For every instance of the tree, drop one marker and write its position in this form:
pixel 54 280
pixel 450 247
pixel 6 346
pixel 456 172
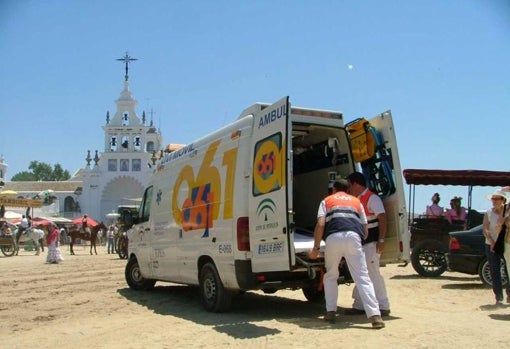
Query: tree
pixel 41 171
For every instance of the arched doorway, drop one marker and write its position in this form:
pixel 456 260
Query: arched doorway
pixel 120 191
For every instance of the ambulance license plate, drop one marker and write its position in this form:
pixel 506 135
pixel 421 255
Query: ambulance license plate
pixel 271 247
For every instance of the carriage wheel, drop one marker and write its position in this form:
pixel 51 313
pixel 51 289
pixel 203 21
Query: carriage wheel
pixel 123 248
pixel 428 258
pixel 8 251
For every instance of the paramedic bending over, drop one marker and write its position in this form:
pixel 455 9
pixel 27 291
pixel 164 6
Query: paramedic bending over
pixel 342 224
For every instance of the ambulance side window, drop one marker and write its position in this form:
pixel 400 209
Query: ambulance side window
pixel 145 206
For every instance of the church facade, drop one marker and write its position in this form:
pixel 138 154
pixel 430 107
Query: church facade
pixel 115 176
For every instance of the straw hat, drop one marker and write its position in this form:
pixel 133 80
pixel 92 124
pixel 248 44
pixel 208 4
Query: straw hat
pixel 498 193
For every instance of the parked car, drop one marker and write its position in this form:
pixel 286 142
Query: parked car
pixel 467 254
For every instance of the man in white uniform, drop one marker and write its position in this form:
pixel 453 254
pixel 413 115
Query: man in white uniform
pixel 373 245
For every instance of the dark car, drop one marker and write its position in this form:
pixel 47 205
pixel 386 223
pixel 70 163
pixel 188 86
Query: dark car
pixel 467 254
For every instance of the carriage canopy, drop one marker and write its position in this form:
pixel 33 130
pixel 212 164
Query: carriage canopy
pixel 457 177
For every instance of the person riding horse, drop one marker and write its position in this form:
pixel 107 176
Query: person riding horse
pixel 84 226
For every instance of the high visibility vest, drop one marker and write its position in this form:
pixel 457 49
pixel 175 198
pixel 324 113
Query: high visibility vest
pixel 343 213
pixel 372 221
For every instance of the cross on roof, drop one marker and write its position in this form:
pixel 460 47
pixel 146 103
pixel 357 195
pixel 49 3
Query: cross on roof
pixel 127 59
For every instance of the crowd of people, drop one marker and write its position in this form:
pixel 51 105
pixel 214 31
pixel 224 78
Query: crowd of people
pixel 49 234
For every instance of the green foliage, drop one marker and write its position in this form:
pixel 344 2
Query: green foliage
pixel 41 171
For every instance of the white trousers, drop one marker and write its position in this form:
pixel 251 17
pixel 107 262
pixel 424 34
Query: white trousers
pixel 348 245
pixel 373 263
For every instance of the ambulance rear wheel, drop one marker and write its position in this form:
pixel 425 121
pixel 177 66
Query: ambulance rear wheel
pixel 313 294
pixel 214 297
pixel 134 277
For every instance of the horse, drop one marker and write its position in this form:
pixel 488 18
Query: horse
pixel 30 233
pixel 77 233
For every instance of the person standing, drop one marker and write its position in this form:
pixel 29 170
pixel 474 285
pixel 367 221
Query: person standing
pixel 492 221
pixel 110 235
pixel 54 254
pixel 373 245
pixel 341 223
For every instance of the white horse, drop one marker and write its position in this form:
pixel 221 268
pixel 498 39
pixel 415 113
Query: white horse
pixel 31 233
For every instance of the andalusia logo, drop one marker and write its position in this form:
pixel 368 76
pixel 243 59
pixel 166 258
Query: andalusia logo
pixel 266 208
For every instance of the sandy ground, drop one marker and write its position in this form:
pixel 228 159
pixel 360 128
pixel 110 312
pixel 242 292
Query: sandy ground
pixel 84 302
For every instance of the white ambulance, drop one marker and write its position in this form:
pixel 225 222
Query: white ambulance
pixel 235 210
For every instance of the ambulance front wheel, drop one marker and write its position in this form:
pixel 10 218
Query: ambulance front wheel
pixel 134 277
pixel 214 297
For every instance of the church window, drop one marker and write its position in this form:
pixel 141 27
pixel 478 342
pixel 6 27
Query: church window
pixel 113 143
pixel 125 142
pixel 69 205
pixel 124 165
pixel 136 165
pixel 150 146
pixel 112 165
pixel 125 119
pixel 137 143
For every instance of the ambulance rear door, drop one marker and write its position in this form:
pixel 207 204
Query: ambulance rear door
pixel 271 240
pixel 384 177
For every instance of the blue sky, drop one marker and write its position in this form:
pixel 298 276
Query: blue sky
pixel 440 66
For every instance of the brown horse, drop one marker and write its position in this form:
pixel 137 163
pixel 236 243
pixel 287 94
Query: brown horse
pixel 77 233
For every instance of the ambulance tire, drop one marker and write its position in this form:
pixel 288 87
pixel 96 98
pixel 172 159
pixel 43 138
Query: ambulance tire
pixel 313 294
pixel 134 277
pixel 428 258
pixel 214 297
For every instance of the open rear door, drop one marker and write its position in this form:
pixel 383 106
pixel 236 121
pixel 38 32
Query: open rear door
pixel 271 242
pixel 384 177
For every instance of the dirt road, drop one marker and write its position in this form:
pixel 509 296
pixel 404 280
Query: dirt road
pixel 84 302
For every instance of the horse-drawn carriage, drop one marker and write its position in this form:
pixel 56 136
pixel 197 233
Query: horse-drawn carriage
pixel 9 243
pixel 430 236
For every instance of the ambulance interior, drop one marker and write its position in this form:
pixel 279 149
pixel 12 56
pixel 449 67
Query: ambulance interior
pixel 320 155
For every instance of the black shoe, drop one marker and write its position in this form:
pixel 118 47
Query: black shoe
pixel 385 312
pixel 377 322
pixel 353 311
pixel 330 316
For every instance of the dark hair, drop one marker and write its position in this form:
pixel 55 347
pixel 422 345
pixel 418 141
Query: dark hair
pixel 357 177
pixel 341 185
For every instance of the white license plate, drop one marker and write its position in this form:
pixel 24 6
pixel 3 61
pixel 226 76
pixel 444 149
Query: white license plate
pixel 271 247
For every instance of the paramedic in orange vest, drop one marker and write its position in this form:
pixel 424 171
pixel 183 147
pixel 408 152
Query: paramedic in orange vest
pixel 373 245
pixel 341 223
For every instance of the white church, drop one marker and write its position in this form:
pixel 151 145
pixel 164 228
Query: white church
pixel 112 177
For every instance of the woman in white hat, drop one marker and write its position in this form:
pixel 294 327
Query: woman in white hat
pixel 492 221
